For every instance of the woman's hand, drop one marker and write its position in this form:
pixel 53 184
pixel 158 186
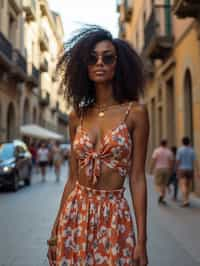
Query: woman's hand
pixel 52 255
pixel 140 255
pixel 52 248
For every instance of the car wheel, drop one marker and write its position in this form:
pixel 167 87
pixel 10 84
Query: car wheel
pixel 15 184
pixel 27 181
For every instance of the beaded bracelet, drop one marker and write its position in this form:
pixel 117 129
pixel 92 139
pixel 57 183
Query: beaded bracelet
pixel 52 241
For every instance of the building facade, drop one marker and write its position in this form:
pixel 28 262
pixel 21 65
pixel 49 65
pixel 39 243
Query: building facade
pixel 166 34
pixel 31 38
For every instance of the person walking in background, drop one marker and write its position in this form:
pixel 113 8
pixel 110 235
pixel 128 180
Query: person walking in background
pixel 186 165
pixel 173 177
pixel 33 151
pixel 57 159
pixel 42 158
pixel 109 128
pixel 161 166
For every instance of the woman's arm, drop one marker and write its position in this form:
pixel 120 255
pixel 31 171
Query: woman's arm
pixel 73 168
pixel 137 179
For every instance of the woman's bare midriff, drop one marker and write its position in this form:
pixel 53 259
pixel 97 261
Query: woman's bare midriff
pixel 109 179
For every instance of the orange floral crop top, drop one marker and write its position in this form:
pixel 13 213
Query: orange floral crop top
pixel 115 150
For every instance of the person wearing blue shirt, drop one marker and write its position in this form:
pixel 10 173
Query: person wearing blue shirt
pixel 186 164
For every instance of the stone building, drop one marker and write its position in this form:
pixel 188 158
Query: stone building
pixel 31 38
pixel 166 34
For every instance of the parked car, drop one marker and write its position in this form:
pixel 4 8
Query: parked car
pixel 15 164
pixel 66 150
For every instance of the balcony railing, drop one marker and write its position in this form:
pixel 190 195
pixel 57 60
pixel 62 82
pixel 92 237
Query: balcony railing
pixel 118 5
pixel 44 65
pixel 19 67
pixel 122 31
pixel 62 117
pixel 16 5
pixel 128 9
pixel 44 99
pixel 187 8
pixel 19 61
pixel 44 41
pixel 12 60
pixel 5 50
pixel 29 7
pixel 44 7
pixel 158 33
pixel 33 75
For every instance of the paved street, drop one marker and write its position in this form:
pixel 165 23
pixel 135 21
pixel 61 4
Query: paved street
pixel 26 218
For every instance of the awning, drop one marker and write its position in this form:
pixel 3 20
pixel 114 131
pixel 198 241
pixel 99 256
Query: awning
pixel 39 132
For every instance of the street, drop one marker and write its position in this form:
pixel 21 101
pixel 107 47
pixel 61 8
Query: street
pixel 26 218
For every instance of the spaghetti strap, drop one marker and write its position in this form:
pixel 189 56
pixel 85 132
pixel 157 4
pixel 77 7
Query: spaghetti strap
pixel 127 111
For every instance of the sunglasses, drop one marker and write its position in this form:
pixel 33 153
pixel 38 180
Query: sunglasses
pixel 107 59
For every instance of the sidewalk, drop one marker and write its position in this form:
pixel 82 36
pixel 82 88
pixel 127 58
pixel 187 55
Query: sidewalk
pixel 180 224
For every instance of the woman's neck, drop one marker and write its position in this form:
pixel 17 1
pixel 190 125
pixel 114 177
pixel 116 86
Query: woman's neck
pixel 104 95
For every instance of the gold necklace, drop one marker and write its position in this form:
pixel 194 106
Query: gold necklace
pixel 103 108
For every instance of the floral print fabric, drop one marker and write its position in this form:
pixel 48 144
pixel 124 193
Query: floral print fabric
pixel 115 151
pixel 95 228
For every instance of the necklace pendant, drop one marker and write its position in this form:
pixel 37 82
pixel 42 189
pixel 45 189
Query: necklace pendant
pixel 101 114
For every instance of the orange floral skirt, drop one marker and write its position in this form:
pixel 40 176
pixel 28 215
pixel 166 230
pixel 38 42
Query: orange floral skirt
pixel 95 228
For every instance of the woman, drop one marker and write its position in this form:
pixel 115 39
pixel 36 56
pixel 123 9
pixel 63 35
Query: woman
pixel 42 159
pixel 109 132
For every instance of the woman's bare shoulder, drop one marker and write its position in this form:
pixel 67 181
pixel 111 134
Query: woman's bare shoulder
pixel 139 114
pixel 139 109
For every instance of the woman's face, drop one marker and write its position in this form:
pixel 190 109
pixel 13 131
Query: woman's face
pixel 102 62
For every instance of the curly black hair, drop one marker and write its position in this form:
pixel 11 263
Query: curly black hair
pixel 128 82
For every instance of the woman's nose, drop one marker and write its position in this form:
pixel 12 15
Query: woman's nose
pixel 99 60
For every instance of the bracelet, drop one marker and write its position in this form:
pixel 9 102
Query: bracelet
pixel 52 241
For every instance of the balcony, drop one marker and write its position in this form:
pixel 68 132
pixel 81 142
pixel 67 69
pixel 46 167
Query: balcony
pixel 128 10
pixel 186 8
pixel 158 40
pixel 149 68
pixel 62 117
pixel 16 4
pixel 122 30
pixel 29 7
pixel 118 5
pixel 33 75
pixel 44 100
pixel 44 42
pixel 44 65
pixel 5 52
pixel 19 69
pixel 55 108
pixel 44 7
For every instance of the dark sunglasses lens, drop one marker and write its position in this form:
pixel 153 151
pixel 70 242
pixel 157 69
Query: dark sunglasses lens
pixel 108 59
pixel 92 60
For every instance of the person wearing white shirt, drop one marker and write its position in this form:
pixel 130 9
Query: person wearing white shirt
pixel 43 158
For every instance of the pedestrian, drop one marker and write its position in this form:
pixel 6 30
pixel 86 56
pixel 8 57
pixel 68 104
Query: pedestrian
pixel 42 158
pixel 186 164
pixel 33 151
pixel 103 78
pixel 161 166
pixel 57 159
pixel 173 177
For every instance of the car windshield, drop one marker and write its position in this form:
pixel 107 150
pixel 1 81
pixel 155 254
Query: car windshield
pixel 6 151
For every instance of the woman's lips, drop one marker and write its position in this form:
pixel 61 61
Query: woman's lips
pixel 99 72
